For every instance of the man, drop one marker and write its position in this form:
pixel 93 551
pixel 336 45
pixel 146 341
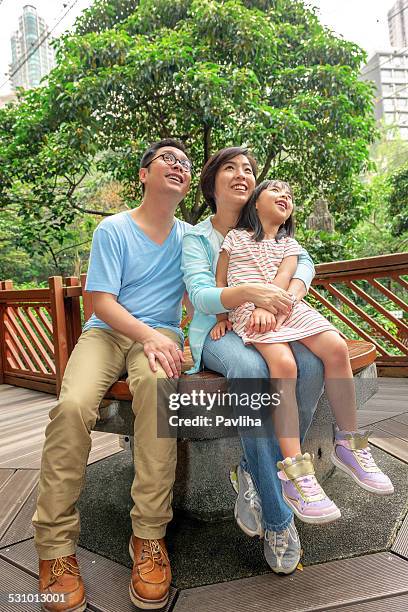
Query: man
pixel 137 287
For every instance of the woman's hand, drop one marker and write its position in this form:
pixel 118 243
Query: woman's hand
pixel 220 329
pixel 282 316
pixel 260 322
pixel 271 298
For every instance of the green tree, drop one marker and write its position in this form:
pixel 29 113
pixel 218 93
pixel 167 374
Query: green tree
pixel 212 73
pixel 398 202
pixel 382 231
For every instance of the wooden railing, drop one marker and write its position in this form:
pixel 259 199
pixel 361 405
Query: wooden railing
pixel 369 298
pixel 27 349
pixel 40 327
pixel 38 330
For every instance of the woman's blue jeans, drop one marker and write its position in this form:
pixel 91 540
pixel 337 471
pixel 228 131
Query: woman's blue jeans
pixel 231 358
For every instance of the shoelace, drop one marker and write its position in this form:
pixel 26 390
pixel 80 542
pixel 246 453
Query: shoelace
pixel 153 551
pixel 252 497
pixel 61 566
pixel 251 494
pixel 366 458
pixel 309 485
pixel 278 540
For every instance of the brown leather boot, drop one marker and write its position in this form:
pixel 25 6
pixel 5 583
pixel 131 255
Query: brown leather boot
pixel 61 585
pixel 151 575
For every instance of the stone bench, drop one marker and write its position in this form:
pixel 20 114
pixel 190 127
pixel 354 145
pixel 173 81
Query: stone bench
pixel 202 489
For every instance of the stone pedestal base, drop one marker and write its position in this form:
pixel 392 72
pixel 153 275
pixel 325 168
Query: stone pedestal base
pixel 202 489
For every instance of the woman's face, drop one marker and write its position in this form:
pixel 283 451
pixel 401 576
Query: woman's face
pixel 234 183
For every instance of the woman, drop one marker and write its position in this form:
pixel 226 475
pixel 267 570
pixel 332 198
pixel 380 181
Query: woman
pixel 227 181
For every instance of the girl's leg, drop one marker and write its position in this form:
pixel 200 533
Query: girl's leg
pixel 351 451
pixel 231 358
pixel 300 489
pixel 282 368
pixel 333 351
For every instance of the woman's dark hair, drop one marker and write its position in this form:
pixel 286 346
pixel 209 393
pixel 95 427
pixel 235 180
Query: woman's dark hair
pixel 248 218
pixel 209 172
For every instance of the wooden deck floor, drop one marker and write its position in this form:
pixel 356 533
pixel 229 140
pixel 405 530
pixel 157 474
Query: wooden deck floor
pixel 386 415
pixel 23 419
pixel 371 583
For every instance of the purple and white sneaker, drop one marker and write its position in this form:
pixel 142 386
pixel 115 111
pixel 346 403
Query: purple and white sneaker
pixel 351 454
pixel 302 492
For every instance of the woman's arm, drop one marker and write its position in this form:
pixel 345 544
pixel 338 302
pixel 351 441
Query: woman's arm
pixel 199 277
pixel 303 275
pixel 297 288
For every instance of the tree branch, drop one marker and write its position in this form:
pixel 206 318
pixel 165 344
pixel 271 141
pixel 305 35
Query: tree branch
pixel 373 223
pixel 196 206
pixel 200 211
pixel 185 212
pixel 207 142
pixel 49 247
pixel 73 246
pixel 266 167
pixel 89 211
pixel 401 244
pixel 19 202
pixel 73 185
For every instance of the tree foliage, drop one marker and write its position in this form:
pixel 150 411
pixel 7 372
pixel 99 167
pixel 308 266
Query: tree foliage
pixel 212 73
pixel 398 201
pixel 377 235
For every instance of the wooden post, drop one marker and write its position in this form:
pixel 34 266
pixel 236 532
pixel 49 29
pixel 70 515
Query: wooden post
pixel 59 328
pixel 86 299
pixel 4 286
pixel 7 284
pixel 2 345
pixel 72 315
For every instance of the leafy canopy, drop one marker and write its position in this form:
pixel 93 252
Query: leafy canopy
pixel 212 73
pixel 398 201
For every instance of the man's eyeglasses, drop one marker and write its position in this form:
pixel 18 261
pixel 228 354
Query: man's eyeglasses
pixel 171 160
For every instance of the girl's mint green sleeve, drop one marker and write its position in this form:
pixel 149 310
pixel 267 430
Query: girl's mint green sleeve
pixel 199 278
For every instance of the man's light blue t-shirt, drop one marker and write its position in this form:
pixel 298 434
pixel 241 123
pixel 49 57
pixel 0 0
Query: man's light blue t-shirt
pixel 145 276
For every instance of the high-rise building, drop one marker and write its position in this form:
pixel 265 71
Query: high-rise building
pixel 389 71
pixel 398 24
pixel 11 97
pixel 32 57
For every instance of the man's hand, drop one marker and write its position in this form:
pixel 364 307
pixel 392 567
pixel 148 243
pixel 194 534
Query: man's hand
pixel 260 322
pixel 220 329
pixel 170 356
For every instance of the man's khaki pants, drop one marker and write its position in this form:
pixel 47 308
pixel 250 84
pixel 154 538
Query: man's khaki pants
pixel 99 358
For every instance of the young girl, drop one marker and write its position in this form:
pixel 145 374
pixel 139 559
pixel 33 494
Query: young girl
pixel 261 250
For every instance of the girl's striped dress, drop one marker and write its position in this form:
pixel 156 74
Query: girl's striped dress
pixel 258 262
